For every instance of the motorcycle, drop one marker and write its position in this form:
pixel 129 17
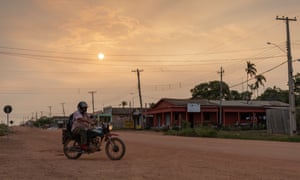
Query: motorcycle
pixel 114 146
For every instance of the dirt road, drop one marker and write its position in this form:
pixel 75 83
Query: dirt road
pixel 31 153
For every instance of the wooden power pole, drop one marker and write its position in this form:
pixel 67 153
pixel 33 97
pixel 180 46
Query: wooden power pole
pixel 140 91
pixel 292 113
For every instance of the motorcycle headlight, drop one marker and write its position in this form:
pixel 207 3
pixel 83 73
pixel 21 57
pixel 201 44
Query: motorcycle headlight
pixel 110 127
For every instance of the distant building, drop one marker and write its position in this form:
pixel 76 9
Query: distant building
pixel 171 113
pixel 123 117
pixel 60 121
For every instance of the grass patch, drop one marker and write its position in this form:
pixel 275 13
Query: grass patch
pixel 4 130
pixel 233 134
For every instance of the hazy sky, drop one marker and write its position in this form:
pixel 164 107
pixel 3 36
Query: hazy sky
pixel 48 49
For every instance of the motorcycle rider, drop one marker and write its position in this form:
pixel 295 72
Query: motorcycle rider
pixel 81 124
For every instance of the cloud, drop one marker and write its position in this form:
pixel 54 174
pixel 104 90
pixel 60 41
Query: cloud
pixel 97 26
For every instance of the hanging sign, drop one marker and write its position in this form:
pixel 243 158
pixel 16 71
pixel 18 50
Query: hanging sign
pixel 193 107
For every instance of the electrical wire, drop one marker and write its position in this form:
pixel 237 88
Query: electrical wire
pixel 61 59
pixel 269 70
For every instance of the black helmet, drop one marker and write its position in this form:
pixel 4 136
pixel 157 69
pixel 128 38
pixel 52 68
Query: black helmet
pixel 82 107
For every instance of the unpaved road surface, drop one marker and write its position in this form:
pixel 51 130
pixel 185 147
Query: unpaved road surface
pixel 31 153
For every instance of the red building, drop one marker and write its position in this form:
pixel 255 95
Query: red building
pixel 172 112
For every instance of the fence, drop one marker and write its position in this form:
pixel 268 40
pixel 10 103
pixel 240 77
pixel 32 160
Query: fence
pixel 278 121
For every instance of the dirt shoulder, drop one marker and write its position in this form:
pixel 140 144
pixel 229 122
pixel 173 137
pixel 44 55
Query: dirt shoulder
pixel 31 153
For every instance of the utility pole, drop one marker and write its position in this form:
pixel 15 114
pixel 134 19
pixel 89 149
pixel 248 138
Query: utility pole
pixel 139 87
pixel 92 92
pixel 63 108
pixel 221 95
pixel 50 113
pixel 292 113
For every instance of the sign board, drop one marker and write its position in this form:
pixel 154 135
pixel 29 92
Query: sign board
pixel 193 107
pixel 7 109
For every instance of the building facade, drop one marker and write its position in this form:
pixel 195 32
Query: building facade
pixel 172 113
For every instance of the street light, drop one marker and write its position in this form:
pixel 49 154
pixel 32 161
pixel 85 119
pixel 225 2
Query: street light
pixel 292 109
pixel 270 43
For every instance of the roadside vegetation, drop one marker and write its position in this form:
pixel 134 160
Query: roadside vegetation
pixel 232 133
pixel 43 122
pixel 4 130
pixel 211 90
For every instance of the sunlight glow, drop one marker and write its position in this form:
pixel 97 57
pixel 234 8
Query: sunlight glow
pixel 100 56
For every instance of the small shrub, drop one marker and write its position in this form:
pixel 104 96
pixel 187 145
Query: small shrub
pixel 43 122
pixel 177 128
pixel 4 130
pixel 161 129
pixel 206 132
pixel 185 124
pixel 233 133
pixel 172 132
pixel 187 132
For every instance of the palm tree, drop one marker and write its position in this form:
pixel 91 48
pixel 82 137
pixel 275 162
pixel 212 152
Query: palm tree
pixel 123 104
pixel 250 70
pixel 260 79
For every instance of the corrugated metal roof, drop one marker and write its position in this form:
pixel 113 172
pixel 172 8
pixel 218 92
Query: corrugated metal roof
pixel 253 103
pixel 184 102
pixel 239 103
pixel 121 110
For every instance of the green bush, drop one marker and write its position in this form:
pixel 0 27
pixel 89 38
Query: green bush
pixel 172 132
pixel 203 131
pixel 233 133
pixel 187 132
pixel 206 132
pixel 298 117
pixel 4 130
pixel 43 122
pixel 185 124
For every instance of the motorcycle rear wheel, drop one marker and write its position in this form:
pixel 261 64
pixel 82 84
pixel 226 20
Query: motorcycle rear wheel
pixel 72 149
pixel 115 149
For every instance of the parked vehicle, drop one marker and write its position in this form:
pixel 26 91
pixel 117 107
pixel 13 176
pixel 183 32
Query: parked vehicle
pixel 114 147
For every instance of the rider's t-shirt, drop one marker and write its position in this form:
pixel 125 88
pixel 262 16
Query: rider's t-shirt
pixel 76 123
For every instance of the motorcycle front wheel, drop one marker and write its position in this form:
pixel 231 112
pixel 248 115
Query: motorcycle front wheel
pixel 72 149
pixel 115 148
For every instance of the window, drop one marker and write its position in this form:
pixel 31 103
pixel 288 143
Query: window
pixel 246 116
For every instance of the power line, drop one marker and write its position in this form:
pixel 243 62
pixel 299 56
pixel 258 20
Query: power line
pixel 61 59
pixel 128 55
pixel 41 51
pixel 269 70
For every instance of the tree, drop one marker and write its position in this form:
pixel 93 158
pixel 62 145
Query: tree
pixel 297 83
pixel 272 94
pixel 246 95
pixel 123 104
pixel 43 122
pixel 297 89
pixel 259 81
pixel 200 91
pixel 210 90
pixel 251 71
pixel 235 95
